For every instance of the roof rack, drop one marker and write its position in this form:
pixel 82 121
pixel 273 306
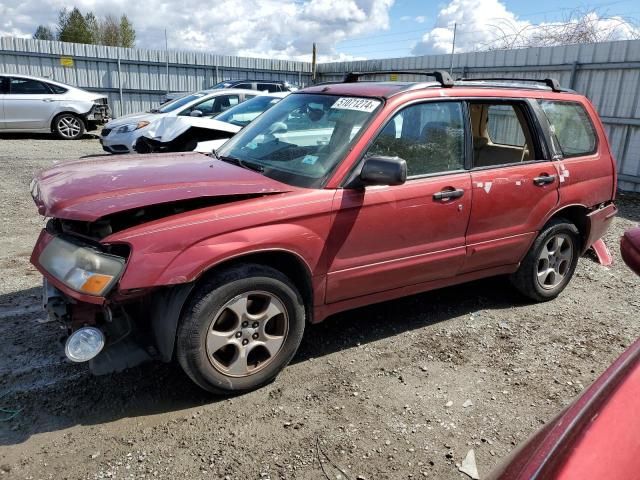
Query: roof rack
pixel 441 76
pixel 552 83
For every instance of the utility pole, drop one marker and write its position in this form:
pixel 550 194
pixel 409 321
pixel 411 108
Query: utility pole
pixel 453 47
pixel 313 63
pixel 166 55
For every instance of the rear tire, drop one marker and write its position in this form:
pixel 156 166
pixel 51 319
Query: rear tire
pixel 550 263
pixel 68 126
pixel 242 326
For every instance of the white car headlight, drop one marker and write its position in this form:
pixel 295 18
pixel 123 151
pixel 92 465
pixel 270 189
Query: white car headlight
pixel 130 127
pixel 81 268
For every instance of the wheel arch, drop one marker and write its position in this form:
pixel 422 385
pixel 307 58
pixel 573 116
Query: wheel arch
pixel 576 214
pixel 72 112
pixel 169 302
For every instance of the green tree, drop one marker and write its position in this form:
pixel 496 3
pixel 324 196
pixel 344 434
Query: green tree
pixel 127 33
pixel 44 33
pixel 72 27
pixel 94 28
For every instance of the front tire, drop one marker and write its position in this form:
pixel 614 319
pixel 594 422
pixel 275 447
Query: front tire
pixel 68 126
pixel 550 263
pixel 240 329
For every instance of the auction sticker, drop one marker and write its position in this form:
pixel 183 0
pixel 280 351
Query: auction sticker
pixel 360 104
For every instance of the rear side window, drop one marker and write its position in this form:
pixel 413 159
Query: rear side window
pixel 571 127
pixel 429 136
pixel 57 89
pixel 27 86
pixel 4 85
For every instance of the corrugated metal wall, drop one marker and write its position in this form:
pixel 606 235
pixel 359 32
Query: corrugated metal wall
pixel 608 73
pixel 141 73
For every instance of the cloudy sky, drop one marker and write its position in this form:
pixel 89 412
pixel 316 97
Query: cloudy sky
pixel 341 28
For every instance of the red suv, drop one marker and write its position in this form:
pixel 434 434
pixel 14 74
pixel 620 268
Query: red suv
pixel 341 195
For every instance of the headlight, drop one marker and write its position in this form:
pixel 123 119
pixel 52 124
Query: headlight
pixel 130 127
pixel 81 268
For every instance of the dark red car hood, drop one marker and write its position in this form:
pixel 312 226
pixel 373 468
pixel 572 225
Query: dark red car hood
pixel 89 189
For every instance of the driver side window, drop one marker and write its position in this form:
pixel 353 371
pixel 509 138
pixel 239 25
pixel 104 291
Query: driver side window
pixel 429 136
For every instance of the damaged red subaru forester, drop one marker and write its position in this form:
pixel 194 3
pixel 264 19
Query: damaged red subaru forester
pixel 341 195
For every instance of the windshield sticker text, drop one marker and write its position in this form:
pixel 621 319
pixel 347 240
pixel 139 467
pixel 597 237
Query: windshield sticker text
pixel 360 104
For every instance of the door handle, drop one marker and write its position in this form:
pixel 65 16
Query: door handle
pixel 47 99
pixel 448 194
pixel 544 179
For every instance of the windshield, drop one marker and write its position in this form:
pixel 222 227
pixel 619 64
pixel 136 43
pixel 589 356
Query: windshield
pixel 246 112
pixel 303 137
pixel 179 102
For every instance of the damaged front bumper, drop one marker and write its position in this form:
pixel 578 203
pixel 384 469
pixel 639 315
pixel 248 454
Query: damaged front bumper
pixel 136 326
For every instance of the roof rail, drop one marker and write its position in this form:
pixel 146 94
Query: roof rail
pixel 552 83
pixel 441 76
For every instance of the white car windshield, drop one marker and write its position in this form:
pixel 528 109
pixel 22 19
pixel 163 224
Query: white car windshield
pixel 302 138
pixel 179 102
pixel 243 114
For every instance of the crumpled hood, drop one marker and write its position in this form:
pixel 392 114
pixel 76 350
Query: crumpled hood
pixel 169 128
pixel 90 189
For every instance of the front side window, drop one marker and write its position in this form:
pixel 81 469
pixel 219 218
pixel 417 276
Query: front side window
pixel 571 127
pixel 213 106
pixel 27 86
pixel 4 85
pixel 246 86
pixel 303 137
pixel 428 136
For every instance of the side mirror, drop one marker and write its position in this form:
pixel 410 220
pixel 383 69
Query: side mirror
pixel 383 171
pixel 195 113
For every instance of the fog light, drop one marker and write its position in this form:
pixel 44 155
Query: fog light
pixel 84 344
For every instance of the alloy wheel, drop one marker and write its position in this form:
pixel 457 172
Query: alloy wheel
pixel 69 126
pixel 554 261
pixel 247 333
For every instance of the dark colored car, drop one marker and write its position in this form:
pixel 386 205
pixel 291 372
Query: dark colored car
pixel 340 195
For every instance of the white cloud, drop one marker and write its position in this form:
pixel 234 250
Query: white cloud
pixel 418 19
pixel 264 28
pixel 485 24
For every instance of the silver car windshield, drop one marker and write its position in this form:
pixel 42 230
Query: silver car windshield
pixel 302 138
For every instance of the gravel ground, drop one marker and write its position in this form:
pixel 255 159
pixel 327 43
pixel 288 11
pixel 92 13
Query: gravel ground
pixel 399 390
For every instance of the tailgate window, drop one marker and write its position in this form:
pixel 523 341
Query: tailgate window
pixel 571 128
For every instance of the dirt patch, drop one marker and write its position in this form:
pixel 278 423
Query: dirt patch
pixel 376 392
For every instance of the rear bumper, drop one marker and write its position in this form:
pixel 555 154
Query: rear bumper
pixel 598 222
pixel 99 114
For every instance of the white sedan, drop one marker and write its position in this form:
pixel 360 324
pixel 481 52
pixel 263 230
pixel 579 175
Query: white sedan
pixel 121 135
pixel 180 133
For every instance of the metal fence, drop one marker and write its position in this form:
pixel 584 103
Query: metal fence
pixel 607 73
pixel 136 79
